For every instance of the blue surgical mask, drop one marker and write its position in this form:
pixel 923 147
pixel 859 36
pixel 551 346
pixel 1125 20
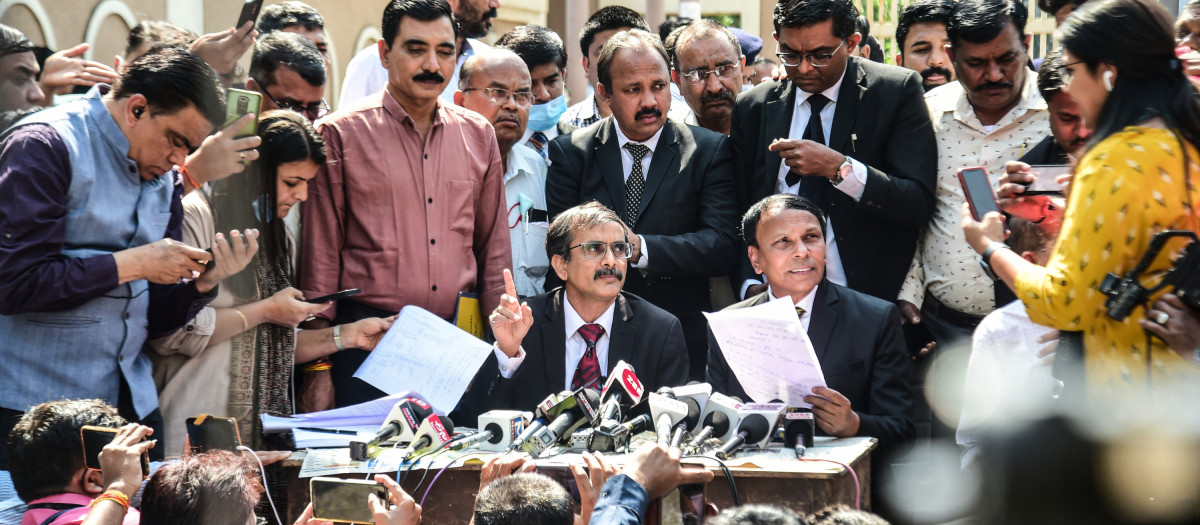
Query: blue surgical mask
pixel 545 116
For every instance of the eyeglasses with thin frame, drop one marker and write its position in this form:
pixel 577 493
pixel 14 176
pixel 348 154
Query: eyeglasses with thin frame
pixel 725 72
pixel 1065 73
pixel 596 249
pixel 500 96
pixel 313 111
pixel 816 59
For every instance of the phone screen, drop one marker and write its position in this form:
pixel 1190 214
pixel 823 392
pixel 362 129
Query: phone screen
pixel 95 439
pixel 978 190
pixel 213 433
pixel 1046 182
pixel 238 102
pixel 344 499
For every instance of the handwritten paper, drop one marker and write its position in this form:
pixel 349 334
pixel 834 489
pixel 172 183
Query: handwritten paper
pixel 768 351
pixel 423 353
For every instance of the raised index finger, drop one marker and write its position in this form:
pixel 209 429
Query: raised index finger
pixel 510 287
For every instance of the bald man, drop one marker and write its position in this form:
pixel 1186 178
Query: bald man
pixel 496 84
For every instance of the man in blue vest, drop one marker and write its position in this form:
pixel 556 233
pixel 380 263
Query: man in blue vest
pixel 88 264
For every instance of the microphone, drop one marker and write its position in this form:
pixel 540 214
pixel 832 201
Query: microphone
pixel 688 423
pixel 434 432
pixel 666 412
pixel 403 421
pixel 505 426
pixel 623 384
pixel 718 402
pixel 752 429
pixel 715 424
pixel 799 434
pixel 548 409
pixel 583 411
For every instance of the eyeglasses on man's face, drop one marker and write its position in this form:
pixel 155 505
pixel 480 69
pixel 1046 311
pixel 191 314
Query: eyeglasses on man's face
pixel 725 72
pixel 816 59
pixel 500 96
pixel 596 250
pixel 313 111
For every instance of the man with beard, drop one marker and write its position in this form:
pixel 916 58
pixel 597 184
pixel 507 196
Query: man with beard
pixel 993 114
pixel 708 71
pixel 409 206
pixel 495 83
pixel 366 74
pixel 671 182
pixel 1068 135
pixel 586 326
pixel 921 37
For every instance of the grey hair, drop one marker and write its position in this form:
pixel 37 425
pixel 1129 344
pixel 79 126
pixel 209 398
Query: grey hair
pixel 482 59
pixel 705 28
pixel 632 40
pixel 584 216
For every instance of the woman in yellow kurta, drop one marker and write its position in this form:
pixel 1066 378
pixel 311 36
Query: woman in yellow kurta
pixel 1138 177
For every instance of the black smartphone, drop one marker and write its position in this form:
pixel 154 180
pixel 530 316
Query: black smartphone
pixel 344 500
pixel 207 433
pixel 95 439
pixel 334 296
pixel 978 190
pixel 250 11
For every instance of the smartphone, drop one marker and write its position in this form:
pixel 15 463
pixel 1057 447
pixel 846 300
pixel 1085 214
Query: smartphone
pixel 344 500
pixel 979 192
pixel 250 11
pixel 95 439
pixel 334 296
pixel 691 503
pixel 238 102
pixel 1046 183
pixel 213 433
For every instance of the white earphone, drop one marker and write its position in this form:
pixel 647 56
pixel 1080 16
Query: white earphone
pixel 1108 80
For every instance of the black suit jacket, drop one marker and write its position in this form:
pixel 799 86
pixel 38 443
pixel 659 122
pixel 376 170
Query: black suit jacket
pixel 688 211
pixel 882 121
pixel 861 350
pixel 643 335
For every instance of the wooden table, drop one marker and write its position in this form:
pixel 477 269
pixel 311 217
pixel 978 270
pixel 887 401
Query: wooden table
pixel 777 479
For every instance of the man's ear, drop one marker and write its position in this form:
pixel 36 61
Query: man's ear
pixel 675 78
pixel 383 52
pixel 560 266
pixel 854 40
pixel 950 52
pixel 602 92
pixel 1026 41
pixel 900 59
pixel 752 251
pixel 585 62
pixel 1031 257
pixel 252 85
pixel 459 97
pixel 93 482
pixel 135 108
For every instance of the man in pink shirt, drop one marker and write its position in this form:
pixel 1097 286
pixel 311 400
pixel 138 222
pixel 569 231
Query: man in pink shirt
pixel 410 205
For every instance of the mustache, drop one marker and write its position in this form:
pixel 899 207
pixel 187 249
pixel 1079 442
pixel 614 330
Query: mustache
pixel 936 70
pixel 994 85
pixel 430 77
pixel 490 13
pixel 648 111
pixel 723 94
pixel 609 271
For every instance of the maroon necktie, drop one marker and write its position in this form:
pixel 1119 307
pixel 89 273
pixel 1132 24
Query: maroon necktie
pixel 588 372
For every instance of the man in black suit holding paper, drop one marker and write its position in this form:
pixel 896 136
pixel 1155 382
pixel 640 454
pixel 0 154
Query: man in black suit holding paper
pixel 573 336
pixel 671 183
pixel 851 135
pixel 857 338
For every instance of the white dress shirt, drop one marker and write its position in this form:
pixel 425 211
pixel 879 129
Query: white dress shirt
pixel 805 302
pixel 575 346
pixel 627 169
pixel 854 185
pixel 366 76
pixel 525 174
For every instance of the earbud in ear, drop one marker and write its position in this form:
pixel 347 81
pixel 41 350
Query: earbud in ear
pixel 1108 80
pixel 137 112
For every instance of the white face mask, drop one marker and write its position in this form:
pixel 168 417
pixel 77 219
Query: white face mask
pixel 746 87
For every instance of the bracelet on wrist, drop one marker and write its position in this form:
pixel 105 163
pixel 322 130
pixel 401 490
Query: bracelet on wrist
pixel 113 495
pixel 337 338
pixel 319 365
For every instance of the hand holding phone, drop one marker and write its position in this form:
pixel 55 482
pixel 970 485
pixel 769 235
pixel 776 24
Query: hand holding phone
pixel 977 188
pixel 116 451
pixel 239 102
pixel 345 500
pixel 334 296
pixel 249 13
pixel 207 433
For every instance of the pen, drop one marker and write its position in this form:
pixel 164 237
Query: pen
pixel 329 431
pixel 853 146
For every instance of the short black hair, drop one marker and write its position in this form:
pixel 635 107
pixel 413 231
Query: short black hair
pixel 634 40
pixel 756 514
pixel 922 12
pixel 703 28
pixel 672 23
pixel 536 45
pixel 214 487
pixel 608 18
pixel 1049 81
pixel 423 10
pixel 797 13
pixel 45 451
pixel 1051 7
pixel 287 49
pixel 840 514
pixel 876 48
pixel 287 14
pixel 524 498
pixel 173 78
pixel 158 33
pixel 782 201
pixel 582 217
pixel 13 41
pixel 981 21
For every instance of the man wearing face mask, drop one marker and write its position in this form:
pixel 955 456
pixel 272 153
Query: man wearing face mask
pixel 543 53
pixel 495 84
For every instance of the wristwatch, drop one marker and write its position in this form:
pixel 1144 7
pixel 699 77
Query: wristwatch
pixel 986 258
pixel 337 338
pixel 843 171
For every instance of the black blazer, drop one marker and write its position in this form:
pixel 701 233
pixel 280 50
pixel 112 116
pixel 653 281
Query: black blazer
pixel 882 121
pixel 643 335
pixel 861 350
pixel 688 213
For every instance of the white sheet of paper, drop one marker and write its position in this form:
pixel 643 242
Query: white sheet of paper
pixel 768 351
pixel 423 353
pixel 363 414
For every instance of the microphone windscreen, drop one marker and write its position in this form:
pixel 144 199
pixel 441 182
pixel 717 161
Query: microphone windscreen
pixel 756 427
pixel 736 399
pixel 497 433
pixel 693 415
pixel 793 430
pixel 446 422
pixel 719 422
pixel 593 398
